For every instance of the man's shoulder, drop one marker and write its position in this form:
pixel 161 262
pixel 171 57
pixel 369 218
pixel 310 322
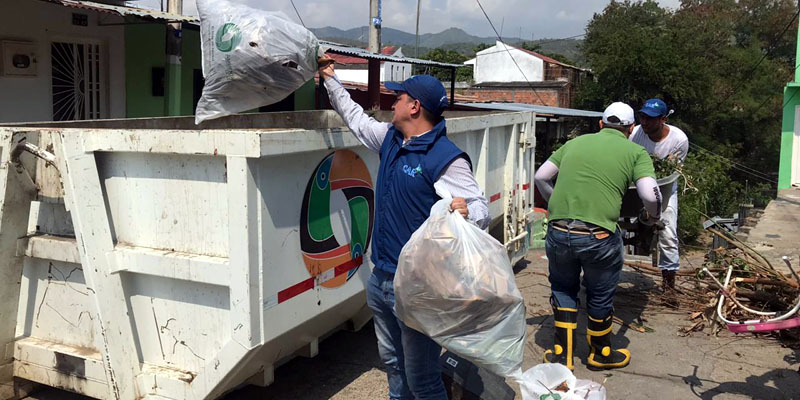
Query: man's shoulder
pixel 680 135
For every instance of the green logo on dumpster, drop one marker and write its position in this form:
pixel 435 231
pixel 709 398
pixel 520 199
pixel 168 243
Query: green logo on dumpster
pixel 228 37
pixel 341 171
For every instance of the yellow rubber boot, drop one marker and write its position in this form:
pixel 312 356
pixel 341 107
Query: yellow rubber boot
pixel 566 321
pixel 601 354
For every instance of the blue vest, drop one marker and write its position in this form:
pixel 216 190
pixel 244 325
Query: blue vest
pixel 405 192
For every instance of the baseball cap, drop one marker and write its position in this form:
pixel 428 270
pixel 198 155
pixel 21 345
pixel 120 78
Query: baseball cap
pixel 425 88
pixel 618 114
pixel 654 108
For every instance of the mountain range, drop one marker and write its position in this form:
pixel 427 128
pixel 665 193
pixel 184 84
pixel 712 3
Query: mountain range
pixel 452 38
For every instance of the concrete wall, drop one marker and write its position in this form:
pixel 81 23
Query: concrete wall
pixel 392 72
pixel 352 75
pixel 395 72
pixel 30 98
pixel 789 167
pixel 495 65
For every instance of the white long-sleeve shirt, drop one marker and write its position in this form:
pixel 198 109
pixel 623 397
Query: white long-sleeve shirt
pixel 646 187
pixel 457 178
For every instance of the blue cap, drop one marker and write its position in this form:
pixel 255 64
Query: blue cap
pixel 654 108
pixel 425 88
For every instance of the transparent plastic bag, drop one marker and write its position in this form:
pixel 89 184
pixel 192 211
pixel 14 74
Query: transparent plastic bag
pixel 454 283
pixel 251 58
pixel 549 382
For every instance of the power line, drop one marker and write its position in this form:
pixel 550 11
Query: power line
pixel 769 97
pixel 562 39
pixel 298 14
pixel 509 53
pixel 742 166
pixel 739 167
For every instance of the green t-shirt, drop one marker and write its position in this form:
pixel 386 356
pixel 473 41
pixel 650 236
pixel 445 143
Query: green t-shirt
pixel 594 172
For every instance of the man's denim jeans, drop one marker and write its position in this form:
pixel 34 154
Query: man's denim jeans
pixel 411 358
pixel 601 261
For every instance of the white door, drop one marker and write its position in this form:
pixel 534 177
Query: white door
pixel 77 81
pixel 796 159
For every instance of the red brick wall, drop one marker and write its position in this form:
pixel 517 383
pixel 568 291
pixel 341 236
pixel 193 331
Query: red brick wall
pixel 546 97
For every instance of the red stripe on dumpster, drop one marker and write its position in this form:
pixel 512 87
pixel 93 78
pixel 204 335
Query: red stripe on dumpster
pixel 313 282
pixel 494 197
pixel 294 290
pixel 346 267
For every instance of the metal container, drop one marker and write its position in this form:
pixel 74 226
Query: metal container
pixel 147 258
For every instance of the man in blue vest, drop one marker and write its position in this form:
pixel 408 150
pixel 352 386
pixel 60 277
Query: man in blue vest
pixel 414 154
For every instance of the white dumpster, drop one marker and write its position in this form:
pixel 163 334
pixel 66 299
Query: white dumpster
pixel 151 259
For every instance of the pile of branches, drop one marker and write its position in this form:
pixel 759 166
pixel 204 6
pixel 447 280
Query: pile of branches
pixel 755 284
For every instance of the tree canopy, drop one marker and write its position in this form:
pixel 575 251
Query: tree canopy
pixel 720 64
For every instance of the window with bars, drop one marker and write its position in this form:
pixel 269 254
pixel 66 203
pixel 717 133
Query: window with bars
pixel 77 81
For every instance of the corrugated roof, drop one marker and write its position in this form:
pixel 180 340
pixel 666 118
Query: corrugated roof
pixel 357 52
pixel 566 112
pixel 126 11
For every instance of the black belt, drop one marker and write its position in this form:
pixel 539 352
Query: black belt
pixel 585 229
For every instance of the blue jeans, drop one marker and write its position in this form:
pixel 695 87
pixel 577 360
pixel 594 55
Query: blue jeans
pixel 411 358
pixel 601 261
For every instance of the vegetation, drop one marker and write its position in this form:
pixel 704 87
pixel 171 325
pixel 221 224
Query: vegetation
pixel 721 65
pixel 446 56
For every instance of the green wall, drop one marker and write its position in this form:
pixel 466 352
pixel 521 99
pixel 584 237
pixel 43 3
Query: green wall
pixel 791 99
pixel 144 49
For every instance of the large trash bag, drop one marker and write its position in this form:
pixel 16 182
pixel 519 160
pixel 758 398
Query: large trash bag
pixel 251 58
pixel 455 284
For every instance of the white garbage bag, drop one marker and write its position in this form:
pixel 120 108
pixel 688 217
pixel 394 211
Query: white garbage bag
pixel 556 382
pixel 251 58
pixel 455 284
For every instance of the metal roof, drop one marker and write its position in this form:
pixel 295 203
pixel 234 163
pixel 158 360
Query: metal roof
pixel 566 112
pixel 362 53
pixel 126 11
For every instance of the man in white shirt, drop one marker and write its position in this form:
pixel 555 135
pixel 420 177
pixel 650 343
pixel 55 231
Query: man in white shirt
pixel 663 141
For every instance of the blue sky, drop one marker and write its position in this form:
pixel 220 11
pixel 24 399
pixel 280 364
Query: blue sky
pixel 540 18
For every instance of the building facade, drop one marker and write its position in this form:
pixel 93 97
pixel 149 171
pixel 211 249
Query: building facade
pixel 528 77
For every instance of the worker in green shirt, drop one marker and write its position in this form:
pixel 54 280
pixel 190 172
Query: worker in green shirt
pixel 594 172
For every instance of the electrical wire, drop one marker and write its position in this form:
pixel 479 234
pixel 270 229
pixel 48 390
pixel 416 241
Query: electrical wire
pixel 739 167
pixel 749 169
pixel 298 14
pixel 509 54
pixel 763 57
pixel 735 165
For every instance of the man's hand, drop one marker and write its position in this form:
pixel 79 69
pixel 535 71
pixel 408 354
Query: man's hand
pixel 325 67
pixel 648 220
pixel 460 205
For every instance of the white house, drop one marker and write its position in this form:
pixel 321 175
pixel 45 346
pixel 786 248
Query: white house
pixel 354 69
pixel 495 65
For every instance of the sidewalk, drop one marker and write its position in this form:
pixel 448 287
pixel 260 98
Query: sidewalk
pixel 777 233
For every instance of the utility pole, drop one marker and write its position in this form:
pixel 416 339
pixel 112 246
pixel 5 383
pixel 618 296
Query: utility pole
pixel 375 26
pixel 416 37
pixel 374 66
pixel 172 68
